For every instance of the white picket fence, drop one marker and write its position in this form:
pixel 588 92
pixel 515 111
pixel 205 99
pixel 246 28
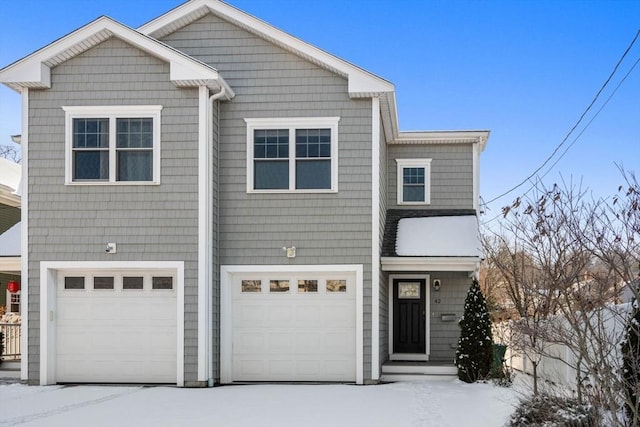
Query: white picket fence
pixel 11 341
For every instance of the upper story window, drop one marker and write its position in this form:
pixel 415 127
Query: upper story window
pixel 292 154
pixel 414 180
pixel 113 145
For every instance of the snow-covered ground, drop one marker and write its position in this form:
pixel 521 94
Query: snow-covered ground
pixel 424 404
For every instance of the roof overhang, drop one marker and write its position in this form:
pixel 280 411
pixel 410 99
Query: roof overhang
pixel 466 264
pixel 436 243
pixel 34 71
pixel 443 137
pixel 10 265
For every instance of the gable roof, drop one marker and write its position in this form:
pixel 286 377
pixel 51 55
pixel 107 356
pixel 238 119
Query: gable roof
pixel 34 71
pixel 361 83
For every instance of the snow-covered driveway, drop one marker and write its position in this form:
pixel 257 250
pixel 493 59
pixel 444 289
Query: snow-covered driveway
pixel 424 404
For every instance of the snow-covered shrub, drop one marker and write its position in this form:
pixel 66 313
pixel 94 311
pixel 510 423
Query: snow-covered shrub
pixel 475 346
pixel 631 366
pixel 543 410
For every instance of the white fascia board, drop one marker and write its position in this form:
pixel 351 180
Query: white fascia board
pixel 32 74
pixel 33 71
pixel 359 81
pixel 443 137
pixel 468 264
pixel 10 265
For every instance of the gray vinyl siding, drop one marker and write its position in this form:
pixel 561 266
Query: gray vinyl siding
pixel 445 334
pixel 270 82
pixel 451 174
pixel 383 295
pixel 215 291
pixel 149 223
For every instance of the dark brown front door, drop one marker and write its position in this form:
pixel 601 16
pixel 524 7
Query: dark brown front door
pixel 409 316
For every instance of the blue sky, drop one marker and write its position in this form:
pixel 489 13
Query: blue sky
pixel 526 70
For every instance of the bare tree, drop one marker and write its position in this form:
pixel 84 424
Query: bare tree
pixel 10 152
pixel 562 259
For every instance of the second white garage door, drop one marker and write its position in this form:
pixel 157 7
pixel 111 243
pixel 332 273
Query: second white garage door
pixel 293 327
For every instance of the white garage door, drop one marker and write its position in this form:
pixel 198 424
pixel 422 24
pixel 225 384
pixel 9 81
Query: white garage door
pixel 294 327
pixel 116 327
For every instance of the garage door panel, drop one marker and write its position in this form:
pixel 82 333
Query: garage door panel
pixel 278 314
pixel 279 342
pixel 293 336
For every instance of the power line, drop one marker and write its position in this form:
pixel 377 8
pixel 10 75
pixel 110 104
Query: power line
pixel 577 137
pixel 595 98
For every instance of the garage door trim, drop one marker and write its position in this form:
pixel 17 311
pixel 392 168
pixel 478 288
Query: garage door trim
pixel 226 307
pixel 48 289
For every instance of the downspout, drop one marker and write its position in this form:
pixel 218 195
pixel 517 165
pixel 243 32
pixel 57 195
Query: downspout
pixel 210 257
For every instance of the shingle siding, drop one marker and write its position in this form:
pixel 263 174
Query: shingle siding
pixel 149 223
pixel 270 82
pixel 449 300
pixel 451 174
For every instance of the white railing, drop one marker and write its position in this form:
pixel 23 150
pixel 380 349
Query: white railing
pixel 11 341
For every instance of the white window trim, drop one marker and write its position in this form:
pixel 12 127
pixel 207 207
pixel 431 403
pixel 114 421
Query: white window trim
pixel 414 163
pixel 112 112
pixel 293 123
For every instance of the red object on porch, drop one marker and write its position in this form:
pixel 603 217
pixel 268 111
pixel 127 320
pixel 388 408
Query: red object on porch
pixel 13 286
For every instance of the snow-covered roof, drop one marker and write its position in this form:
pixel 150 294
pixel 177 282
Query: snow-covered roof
pixel 10 242
pixel 10 175
pixel 439 236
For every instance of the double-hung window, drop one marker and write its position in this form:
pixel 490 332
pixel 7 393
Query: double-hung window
pixel 414 178
pixel 292 154
pixel 113 145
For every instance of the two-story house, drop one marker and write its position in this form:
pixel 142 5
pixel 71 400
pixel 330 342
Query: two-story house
pixel 210 200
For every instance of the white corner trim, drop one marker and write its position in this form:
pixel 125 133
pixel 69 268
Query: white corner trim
pixel 48 308
pixel 226 304
pixel 427 285
pixel 204 269
pixel 476 178
pixel 375 239
pixel 24 240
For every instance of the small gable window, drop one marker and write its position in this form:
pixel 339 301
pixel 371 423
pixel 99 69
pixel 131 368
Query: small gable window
pixel 292 155
pixel 113 145
pixel 414 181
